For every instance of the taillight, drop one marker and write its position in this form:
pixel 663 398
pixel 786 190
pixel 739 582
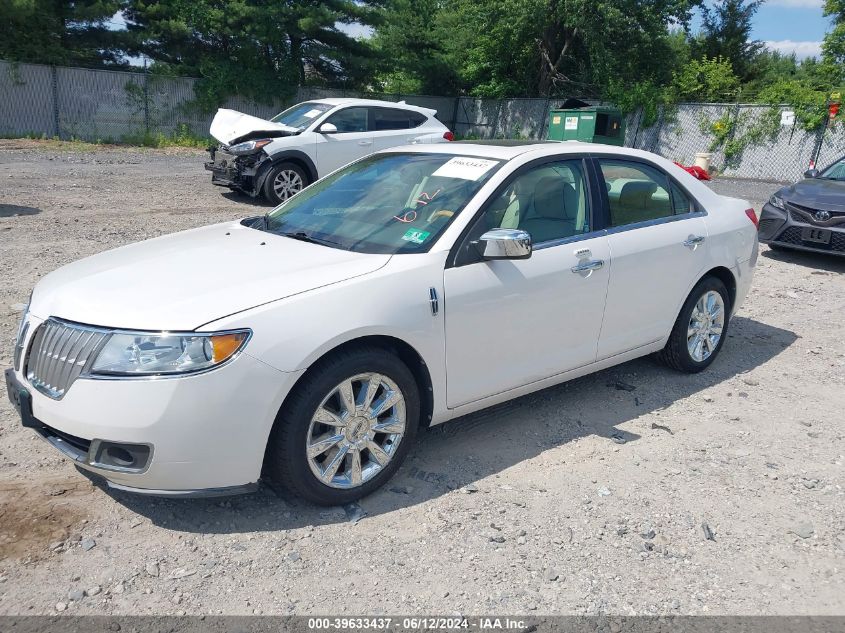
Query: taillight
pixel 753 217
pixel 448 135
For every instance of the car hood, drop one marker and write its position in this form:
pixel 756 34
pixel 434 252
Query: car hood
pixel 184 280
pixel 817 193
pixel 230 127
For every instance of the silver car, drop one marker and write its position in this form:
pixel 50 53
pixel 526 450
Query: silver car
pixel 808 215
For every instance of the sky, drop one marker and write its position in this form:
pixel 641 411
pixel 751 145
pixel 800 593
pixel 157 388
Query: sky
pixel 792 26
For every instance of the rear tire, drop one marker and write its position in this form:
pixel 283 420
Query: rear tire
pixel 283 181
pixel 368 442
pixel 693 343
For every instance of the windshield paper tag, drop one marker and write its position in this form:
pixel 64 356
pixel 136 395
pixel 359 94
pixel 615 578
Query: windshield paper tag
pixel 311 114
pixel 416 236
pixel 465 167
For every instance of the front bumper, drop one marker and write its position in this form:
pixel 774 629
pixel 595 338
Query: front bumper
pixel 234 172
pixel 206 433
pixel 786 228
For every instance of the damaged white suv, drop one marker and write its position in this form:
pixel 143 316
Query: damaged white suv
pixel 280 157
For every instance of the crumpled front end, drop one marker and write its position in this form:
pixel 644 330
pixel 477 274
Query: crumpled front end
pixel 235 172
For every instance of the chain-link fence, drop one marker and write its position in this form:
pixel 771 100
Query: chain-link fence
pixel 113 105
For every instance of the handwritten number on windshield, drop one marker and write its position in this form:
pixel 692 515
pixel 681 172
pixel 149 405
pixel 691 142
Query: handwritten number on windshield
pixel 411 215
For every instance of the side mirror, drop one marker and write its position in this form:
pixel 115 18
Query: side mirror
pixel 328 128
pixel 811 173
pixel 504 244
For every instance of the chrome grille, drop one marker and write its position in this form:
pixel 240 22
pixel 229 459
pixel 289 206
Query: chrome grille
pixel 58 354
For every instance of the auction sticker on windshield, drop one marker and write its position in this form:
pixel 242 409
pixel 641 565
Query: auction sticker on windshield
pixel 465 167
pixel 312 113
pixel 416 236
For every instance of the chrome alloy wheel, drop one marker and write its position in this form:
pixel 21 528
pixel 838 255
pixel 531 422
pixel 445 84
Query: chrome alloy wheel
pixel 705 326
pixel 356 430
pixel 286 183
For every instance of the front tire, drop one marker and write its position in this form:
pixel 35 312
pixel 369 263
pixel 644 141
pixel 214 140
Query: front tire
pixel 701 328
pixel 346 427
pixel 284 181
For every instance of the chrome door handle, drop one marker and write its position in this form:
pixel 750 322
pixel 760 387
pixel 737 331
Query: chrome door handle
pixel 593 264
pixel 694 240
pixel 365 142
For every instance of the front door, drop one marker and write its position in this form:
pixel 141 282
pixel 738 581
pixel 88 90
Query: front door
pixel 658 240
pixel 513 322
pixel 352 140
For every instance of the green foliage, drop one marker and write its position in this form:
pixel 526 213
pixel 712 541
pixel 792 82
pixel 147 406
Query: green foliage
pixel 808 101
pixel 726 33
pixel 61 32
pixel 833 47
pixel 254 48
pixel 182 137
pixel 710 80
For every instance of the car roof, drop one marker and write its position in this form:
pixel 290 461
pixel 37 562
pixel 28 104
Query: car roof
pixel 500 149
pixel 336 101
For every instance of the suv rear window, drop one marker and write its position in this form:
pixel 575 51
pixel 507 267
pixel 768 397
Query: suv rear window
pixel 396 119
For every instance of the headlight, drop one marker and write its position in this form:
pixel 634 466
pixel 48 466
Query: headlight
pixel 777 201
pixel 249 147
pixel 127 354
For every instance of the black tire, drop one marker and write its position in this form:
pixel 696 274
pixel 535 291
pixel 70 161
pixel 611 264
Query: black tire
pixel 286 462
pixel 676 354
pixel 269 189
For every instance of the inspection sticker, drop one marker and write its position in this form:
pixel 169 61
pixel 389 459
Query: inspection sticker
pixel 312 113
pixel 465 167
pixel 416 236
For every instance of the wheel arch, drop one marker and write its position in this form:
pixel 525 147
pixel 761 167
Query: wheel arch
pixel 301 159
pixel 723 274
pixel 391 344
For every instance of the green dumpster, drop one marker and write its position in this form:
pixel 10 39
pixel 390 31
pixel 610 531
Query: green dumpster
pixel 590 124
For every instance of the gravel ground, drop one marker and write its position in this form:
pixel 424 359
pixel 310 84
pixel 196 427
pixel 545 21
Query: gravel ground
pixel 720 493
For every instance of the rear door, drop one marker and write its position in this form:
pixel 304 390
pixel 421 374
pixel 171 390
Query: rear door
pixel 395 126
pixel 658 241
pixel 352 140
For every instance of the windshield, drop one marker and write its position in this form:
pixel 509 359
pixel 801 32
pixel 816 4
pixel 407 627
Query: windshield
pixel 301 115
pixel 387 203
pixel 835 171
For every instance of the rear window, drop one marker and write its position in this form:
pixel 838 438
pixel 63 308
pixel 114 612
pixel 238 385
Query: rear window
pixel 396 119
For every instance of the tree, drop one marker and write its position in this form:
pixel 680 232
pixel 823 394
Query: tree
pixel 564 47
pixel 704 80
pixel 61 32
pixel 416 48
pixel 726 33
pixel 833 47
pixel 255 48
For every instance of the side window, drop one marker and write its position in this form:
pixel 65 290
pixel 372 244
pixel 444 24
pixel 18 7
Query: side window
pixel 681 202
pixel 549 201
pixel 635 192
pixel 417 119
pixel 392 119
pixel 349 120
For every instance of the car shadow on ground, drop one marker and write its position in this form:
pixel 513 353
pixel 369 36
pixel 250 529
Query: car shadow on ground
pixel 469 449
pixel 816 261
pixel 242 198
pixel 12 210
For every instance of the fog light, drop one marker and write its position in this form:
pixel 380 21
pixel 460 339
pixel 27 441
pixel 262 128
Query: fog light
pixel 123 457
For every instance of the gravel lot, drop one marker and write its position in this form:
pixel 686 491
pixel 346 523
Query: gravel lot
pixel 583 498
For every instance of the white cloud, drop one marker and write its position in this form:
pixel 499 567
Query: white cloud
pixel 802 50
pixel 797 4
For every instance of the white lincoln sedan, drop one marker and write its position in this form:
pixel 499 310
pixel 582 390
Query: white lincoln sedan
pixel 309 345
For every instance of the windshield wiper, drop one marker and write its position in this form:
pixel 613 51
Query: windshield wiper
pixel 302 236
